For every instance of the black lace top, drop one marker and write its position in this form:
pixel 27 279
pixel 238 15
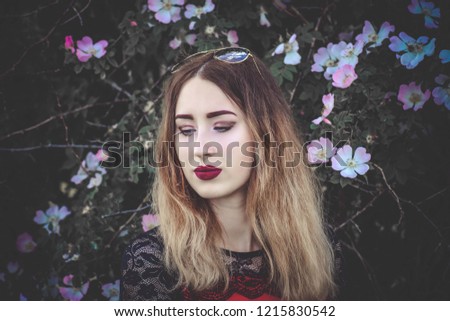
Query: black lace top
pixel 144 276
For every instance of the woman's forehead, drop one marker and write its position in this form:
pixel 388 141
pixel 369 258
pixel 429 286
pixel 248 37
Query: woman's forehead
pixel 202 97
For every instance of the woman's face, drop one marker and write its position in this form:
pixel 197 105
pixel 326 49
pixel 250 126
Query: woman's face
pixel 211 141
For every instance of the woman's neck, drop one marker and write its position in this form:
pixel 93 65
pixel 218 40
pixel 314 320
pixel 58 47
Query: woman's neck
pixel 237 231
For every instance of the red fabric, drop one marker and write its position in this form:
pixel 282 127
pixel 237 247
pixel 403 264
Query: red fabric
pixel 241 288
pixel 263 297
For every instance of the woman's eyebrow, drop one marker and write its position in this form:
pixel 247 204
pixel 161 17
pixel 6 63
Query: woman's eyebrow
pixel 208 115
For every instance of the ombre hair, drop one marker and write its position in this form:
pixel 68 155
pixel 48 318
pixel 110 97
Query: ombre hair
pixel 283 202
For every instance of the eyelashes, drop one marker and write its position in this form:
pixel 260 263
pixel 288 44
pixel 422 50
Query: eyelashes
pixel 190 131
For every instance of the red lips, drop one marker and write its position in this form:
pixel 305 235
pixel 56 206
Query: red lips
pixel 207 172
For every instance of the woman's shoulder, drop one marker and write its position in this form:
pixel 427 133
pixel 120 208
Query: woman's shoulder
pixel 144 276
pixel 147 242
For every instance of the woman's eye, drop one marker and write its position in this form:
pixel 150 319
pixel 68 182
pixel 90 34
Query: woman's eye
pixel 222 129
pixel 187 132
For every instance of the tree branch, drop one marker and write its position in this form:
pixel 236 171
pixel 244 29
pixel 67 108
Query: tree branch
pixel 35 126
pixel 45 38
pixel 369 204
pixel 396 197
pixel 49 146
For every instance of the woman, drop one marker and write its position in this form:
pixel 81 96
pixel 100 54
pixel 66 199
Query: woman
pixel 240 218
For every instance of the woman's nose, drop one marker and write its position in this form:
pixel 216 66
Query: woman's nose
pixel 205 147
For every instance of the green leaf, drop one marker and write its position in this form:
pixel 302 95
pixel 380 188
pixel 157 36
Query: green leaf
pixel 344 182
pixel 288 75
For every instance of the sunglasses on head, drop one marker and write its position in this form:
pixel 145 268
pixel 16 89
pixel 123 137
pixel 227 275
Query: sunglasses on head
pixel 231 55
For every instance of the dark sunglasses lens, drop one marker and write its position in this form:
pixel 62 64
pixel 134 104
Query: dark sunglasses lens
pixel 232 55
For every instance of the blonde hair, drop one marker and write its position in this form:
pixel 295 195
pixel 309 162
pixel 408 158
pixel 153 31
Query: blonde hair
pixel 283 202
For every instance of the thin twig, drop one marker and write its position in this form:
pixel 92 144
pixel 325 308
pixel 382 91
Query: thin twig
pixel 48 146
pixel 31 12
pixel 127 211
pixel 313 42
pixel 419 210
pixel 114 85
pixel 367 267
pixel 78 13
pixel 369 204
pixel 127 222
pixel 44 39
pixel 396 197
pixel 76 110
pixel 434 195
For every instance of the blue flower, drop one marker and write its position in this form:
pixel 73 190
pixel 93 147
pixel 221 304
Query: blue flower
pixel 441 95
pixel 111 290
pixel 444 55
pixel 410 51
pixel 50 219
pixel 426 8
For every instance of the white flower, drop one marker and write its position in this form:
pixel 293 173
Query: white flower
pixel 349 56
pixel 90 166
pixel 350 165
pixel 166 10
pixel 291 49
pixel 327 59
pixel 193 11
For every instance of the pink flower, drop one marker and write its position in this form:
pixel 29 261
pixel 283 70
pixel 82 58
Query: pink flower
pixel 133 23
pixel 328 105
pixel 101 155
pixel 412 96
pixel 149 221
pixel 175 43
pixel 166 10
pixel 25 243
pixel 232 37
pixel 320 151
pixel 73 293
pixel 69 44
pixel 344 76
pixel 87 49
pixel 350 165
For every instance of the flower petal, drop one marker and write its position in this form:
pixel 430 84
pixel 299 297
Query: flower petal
pixel 348 173
pixel 279 49
pixel 82 56
pixel 361 169
pixel 155 5
pixel 361 156
pixel 163 16
pixel 292 58
pixel 85 44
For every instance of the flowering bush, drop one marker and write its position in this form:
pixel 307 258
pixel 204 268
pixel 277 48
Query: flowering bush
pixel 368 83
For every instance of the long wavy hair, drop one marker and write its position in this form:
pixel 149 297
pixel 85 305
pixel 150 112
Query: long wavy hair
pixel 283 202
